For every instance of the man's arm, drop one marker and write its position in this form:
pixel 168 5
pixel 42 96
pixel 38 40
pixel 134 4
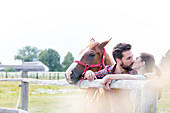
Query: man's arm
pixel 90 75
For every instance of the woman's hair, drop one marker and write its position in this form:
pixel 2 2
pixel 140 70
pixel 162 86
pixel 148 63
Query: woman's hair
pixel 150 63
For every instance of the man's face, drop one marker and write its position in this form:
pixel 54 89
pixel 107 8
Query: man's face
pixel 127 60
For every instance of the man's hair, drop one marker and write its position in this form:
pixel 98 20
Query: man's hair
pixel 119 49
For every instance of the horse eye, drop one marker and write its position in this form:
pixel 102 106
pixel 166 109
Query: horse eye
pixel 91 54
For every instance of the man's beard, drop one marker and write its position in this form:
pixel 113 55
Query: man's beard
pixel 127 68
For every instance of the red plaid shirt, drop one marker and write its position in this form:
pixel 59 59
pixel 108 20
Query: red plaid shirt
pixel 120 102
pixel 109 70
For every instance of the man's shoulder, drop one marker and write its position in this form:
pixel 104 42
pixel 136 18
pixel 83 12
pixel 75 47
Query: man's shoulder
pixel 110 69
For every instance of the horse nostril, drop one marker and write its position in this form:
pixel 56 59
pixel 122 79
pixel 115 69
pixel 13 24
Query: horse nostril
pixel 72 73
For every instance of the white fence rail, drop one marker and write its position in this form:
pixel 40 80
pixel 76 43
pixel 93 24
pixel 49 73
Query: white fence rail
pixel 36 75
pixel 152 99
pixel 9 110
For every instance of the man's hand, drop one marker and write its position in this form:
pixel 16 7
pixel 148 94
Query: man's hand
pixel 90 75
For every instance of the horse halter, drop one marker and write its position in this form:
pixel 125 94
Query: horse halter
pixel 87 66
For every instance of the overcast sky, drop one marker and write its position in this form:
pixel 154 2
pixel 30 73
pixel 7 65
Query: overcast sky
pixel 68 25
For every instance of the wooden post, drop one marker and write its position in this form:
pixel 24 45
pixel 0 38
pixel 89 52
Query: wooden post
pixel 43 75
pixel 58 76
pixel 6 74
pixel 15 74
pixel 155 101
pixel 37 75
pixel 49 76
pixel 24 91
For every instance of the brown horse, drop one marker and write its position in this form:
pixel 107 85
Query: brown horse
pixel 90 58
pixel 93 57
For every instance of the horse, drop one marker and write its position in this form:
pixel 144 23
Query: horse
pixel 92 57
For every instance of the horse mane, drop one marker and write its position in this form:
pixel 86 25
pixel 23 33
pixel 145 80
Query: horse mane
pixel 90 45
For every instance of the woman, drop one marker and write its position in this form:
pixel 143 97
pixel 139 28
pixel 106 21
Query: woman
pixel 145 67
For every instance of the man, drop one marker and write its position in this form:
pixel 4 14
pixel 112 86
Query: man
pixel 116 100
pixel 124 60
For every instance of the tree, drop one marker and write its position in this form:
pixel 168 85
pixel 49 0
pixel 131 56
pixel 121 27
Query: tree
pixel 68 60
pixel 51 59
pixel 27 54
pixel 165 62
pixel 9 69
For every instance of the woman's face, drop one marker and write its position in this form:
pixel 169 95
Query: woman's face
pixel 138 63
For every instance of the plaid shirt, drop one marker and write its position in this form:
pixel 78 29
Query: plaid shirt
pixel 120 102
pixel 109 70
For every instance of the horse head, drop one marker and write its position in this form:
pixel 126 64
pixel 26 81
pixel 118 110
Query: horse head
pixel 89 58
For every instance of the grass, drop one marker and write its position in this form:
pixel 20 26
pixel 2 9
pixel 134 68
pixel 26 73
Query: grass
pixel 164 102
pixel 60 104
pixel 42 102
pixel 68 102
pixel 8 94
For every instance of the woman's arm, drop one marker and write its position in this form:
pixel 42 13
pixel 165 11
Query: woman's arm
pixel 118 77
pixel 110 77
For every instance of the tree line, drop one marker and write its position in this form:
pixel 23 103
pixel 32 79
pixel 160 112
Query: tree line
pixel 165 62
pixel 49 57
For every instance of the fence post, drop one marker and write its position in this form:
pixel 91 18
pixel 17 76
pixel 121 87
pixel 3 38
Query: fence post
pixel 6 75
pixel 58 76
pixel 37 75
pixel 49 76
pixel 24 91
pixel 155 101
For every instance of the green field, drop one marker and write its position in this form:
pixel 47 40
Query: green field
pixel 57 99
pixel 67 100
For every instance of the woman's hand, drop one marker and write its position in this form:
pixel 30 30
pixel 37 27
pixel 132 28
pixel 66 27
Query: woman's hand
pixel 106 81
pixel 90 75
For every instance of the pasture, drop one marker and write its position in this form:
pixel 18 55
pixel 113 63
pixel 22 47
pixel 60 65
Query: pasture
pixel 56 99
pixel 43 98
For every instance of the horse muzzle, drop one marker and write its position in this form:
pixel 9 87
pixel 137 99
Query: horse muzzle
pixel 67 76
pixel 72 77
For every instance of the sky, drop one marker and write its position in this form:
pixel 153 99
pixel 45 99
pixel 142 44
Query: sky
pixel 68 25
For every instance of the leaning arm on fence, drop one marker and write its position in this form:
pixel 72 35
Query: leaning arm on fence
pixel 90 75
pixel 110 77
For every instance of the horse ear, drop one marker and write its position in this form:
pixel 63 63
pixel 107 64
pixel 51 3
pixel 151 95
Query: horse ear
pixel 103 44
pixel 92 40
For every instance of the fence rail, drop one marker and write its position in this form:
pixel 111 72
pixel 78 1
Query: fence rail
pixel 123 84
pixel 9 110
pixel 36 75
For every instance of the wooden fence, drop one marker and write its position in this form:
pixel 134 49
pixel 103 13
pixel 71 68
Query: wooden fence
pixel 9 110
pixel 36 75
pixel 152 99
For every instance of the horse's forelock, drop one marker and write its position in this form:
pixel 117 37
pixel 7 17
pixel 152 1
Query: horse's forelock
pixel 94 44
pixel 90 45
pixel 82 53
